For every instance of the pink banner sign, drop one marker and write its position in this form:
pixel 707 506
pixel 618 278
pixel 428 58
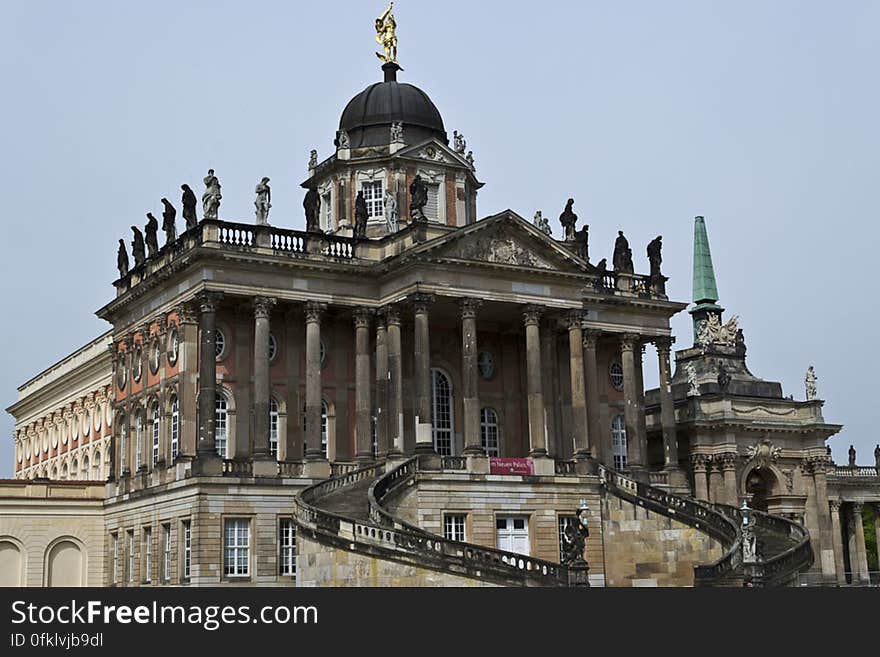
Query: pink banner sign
pixel 509 466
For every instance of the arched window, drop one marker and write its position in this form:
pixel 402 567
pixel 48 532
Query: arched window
pixel 96 466
pixel 221 425
pixel 323 428
pixel 273 427
pixel 175 427
pixel 138 439
pixel 489 431
pixel 618 442
pixel 441 412
pixel 63 471
pixel 74 469
pixel 85 467
pixel 155 434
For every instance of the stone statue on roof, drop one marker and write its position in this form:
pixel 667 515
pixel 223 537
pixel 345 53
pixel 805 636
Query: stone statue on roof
pixel 211 197
pixel 392 215
pixel 418 191
pixel 568 219
pixel 622 257
pixel 263 201
pixel 151 230
pixel 137 246
pixel 122 259
pixel 169 214
pixel 189 201
pixel 810 379
pixel 386 35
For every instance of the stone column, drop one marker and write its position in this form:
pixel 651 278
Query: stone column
pixel 363 409
pixel 549 390
pixel 578 386
pixel 699 463
pixel 382 385
pixel 837 541
pixel 859 560
pixel 537 427
pixel 642 424
pixel 187 365
pixel 635 457
pixel 290 444
pixel 313 311
pixel 824 539
pixel 262 310
pixel 728 470
pixel 422 354
pixel 591 371
pixel 667 404
pixel 206 447
pixel 470 377
pixel 877 529
pixel 395 383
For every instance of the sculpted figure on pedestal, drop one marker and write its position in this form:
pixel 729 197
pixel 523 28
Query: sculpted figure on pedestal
pixel 189 201
pixel 622 258
pixel 418 191
pixel 852 456
pixel 568 219
pixel 654 258
pixel 151 231
pixel 211 197
pixel 312 207
pixel 122 259
pixel 392 216
pixel 810 383
pixel 169 214
pixel 263 201
pixel 361 214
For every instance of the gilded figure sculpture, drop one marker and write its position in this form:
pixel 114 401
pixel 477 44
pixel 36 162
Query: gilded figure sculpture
pixel 386 35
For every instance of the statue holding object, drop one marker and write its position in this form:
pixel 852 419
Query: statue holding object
pixel 810 379
pixel 622 258
pixel 386 35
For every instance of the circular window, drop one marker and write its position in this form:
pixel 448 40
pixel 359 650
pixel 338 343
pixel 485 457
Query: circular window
pixel 486 364
pixel 121 372
pixel 273 347
pixel 154 356
pixel 616 373
pixel 219 344
pixel 173 346
pixel 137 367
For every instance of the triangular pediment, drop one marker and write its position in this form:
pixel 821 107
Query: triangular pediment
pixel 504 239
pixel 433 151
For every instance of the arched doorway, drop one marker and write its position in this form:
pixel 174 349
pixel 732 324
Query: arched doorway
pixel 759 485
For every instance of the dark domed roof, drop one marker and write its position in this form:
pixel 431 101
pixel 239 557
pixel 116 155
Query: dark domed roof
pixel 368 116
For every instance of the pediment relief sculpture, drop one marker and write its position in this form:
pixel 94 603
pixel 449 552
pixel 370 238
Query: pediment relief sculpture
pixel 499 248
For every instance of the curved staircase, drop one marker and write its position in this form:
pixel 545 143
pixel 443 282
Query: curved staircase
pixel 349 512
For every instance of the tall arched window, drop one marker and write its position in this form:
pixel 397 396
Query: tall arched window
pixel 138 438
pixel 273 427
pixel 85 468
pixel 221 425
pixel 74 469
pixel 323 428
pixel 175 427
pixel 618 442
pixel 96 467
pixel 155 434
pixel 441 412
pixel 489 431
pixel 63 471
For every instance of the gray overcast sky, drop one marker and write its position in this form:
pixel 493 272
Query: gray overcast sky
pixel 762 116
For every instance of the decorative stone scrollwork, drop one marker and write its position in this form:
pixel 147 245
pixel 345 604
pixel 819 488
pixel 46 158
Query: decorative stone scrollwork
pixel 727 461
pixel 700 461
pixel 712 331
pixel 187 312
pixel 764 453
pixel 664 344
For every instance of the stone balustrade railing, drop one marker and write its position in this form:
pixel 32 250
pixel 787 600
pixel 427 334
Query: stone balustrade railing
pixel 508 567
pixel 855 471
pixel 688 511
pixel 233 468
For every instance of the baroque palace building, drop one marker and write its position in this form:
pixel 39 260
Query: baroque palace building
pixel 407 394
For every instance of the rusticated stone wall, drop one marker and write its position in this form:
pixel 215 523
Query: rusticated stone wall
pixel 643 548
pixel 321 565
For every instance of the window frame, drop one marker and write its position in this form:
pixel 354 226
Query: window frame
pixel 375 202
pixel 287 551
pixel 148 554
pixel 619 442
pixel 451 518
pixel 186 545
pixel 166 552
pixel 447 432
pixel 239 522
pixel 485 426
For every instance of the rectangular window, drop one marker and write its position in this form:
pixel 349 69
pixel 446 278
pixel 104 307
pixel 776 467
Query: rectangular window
pixel 273 431
pixel 148 554
pixel 373 195
pixel 287 547
pixel 236 547
pixel 187 548
pixel 220 427
pixel 155 438
pixel 432 207
pixel 453 527
pixel 166 555
pixel 563 523
pixel 327 211
pixel 175 428
pixel 130 556
pixel 115 538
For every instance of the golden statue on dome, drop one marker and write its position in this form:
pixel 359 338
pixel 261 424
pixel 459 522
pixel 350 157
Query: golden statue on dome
pixel 385 35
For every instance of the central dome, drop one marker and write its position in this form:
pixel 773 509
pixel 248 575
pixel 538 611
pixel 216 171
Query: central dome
pixel 368 116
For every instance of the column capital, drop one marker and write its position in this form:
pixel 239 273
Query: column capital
pixel 591 338
pixel 469 307
pixel 392 315
pixel 314 310
pixel 629 341
pixel 532 314
pixel 187 312
pixel 574 319
pixel 263 307
pixel 664 343
pixel 208 300
pixel 161 323
pixel 362 316
pixel 421 301
pixel 857 508
pixel 700 461
pixel 834 505
pixel 727 461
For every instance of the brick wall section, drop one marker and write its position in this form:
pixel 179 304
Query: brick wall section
pixel 643 548
pixel 319 565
